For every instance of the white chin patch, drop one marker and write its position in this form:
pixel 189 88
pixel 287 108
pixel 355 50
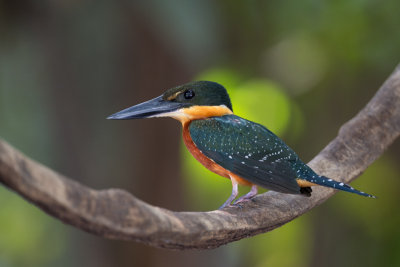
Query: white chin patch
pixel 177 114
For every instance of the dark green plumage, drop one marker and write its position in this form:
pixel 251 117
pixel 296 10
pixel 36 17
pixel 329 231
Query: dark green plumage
pixel 256 154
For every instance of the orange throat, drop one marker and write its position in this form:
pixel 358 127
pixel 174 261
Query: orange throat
pixel 186 115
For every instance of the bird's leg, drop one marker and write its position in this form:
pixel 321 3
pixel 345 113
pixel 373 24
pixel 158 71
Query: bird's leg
pixel 252 193
pixel 233 195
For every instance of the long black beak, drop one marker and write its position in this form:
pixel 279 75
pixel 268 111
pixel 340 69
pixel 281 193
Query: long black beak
pixel 153 107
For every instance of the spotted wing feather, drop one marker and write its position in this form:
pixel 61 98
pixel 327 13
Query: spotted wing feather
pixel 247 149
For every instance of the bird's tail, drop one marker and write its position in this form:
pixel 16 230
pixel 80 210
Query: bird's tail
pixel 325 181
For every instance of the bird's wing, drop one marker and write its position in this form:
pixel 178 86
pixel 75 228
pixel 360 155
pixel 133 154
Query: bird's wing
pixel 247 149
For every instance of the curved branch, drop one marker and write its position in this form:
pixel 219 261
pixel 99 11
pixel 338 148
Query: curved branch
pixel 115 213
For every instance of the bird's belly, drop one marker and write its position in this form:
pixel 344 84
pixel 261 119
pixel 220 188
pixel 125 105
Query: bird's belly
pixel 206 162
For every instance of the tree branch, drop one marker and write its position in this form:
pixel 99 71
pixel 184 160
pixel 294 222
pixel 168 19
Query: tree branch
pixel 116 214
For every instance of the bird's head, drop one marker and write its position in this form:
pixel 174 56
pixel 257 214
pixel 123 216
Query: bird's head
pixel 194 100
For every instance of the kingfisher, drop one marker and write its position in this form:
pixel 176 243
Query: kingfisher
pixel 243 151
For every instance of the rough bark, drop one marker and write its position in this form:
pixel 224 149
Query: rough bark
pixel 114 213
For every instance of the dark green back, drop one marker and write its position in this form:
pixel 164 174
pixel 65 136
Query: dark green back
pixel 249 150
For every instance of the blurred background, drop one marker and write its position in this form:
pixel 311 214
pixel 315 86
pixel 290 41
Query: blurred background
pixel 302 68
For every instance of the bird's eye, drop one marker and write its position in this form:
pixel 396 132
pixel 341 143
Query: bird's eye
pixel 188 94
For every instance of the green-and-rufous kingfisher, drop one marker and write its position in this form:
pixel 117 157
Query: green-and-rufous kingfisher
pixel 243 151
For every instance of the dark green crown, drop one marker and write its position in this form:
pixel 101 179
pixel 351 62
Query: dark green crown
pixel 202 93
